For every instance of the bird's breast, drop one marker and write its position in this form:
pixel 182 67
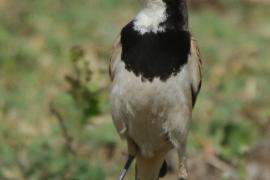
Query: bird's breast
pixel 151 85
pixel 144 107
pixel 154 55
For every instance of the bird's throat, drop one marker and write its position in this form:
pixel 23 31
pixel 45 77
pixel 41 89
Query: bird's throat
pixel 160 15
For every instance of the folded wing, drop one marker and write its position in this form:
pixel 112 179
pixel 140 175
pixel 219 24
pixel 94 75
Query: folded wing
pixel 195 69
pixel 116 57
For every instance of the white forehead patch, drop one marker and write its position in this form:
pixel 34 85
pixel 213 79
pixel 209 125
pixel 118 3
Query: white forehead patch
pixel 150 17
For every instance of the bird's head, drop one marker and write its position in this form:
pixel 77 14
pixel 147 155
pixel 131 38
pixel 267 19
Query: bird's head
pixel 175 9
pixel 164 1
pixel 177 4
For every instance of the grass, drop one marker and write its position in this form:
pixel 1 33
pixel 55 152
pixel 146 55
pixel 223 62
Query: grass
pixel 231 115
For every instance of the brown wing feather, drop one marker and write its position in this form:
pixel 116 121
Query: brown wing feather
pixel 116 56
pixel 114 62
pixel 195 65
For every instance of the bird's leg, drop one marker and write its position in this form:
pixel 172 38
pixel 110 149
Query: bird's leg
pixel 132 150
pixel 178 139
pixel 126 167
pixel 182 161
pixel 182 171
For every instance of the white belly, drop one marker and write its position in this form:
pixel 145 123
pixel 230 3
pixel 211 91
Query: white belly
pixel 146 111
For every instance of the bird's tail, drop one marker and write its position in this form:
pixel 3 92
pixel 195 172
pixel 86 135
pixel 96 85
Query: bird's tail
pixel 163 170
pixel 150 168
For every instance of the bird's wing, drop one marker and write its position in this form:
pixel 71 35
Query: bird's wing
pixel 195 69
pixel 116 56
pixel 114 63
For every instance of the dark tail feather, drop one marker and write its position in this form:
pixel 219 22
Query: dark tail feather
pixel 163 170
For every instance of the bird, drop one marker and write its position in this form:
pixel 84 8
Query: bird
pixel 156 74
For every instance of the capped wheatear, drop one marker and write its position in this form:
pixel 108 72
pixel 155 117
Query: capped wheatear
pixel 156 76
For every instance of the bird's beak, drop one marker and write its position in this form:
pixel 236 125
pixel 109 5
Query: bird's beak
pixel 126 167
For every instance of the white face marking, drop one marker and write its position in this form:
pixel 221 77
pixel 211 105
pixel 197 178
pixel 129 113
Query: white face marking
pixel 149 18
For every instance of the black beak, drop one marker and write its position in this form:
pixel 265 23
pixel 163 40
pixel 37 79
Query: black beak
pixel 126 167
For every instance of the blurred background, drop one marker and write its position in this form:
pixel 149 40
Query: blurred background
pixel 54 110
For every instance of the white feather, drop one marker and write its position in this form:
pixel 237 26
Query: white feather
pixel 151 110
pixel 150 17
